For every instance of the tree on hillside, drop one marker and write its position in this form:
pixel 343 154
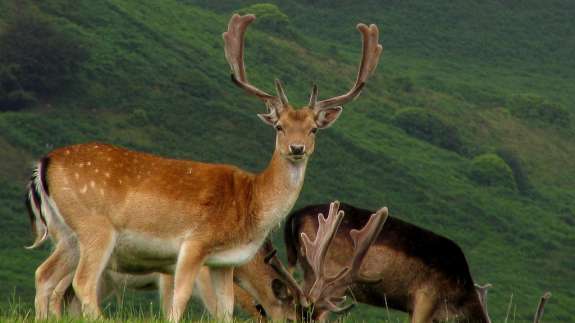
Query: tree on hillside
pixel 36 59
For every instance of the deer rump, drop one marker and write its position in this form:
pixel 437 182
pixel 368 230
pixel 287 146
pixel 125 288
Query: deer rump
pixel 418 268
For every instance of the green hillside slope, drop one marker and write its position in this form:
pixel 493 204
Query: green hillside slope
pixel 456 81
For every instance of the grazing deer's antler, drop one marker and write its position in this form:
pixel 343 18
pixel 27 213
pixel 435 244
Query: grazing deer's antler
pixel 370 57
pixel 482 292
pixel 541 306
pixel 315 251
pixel 333 288
pixel 328 293
pixel 291 283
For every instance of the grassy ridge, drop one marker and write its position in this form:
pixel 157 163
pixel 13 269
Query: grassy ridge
pixel 156 80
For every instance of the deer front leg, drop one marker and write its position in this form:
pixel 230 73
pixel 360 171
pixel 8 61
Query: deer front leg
pixel 96 246
pixel 223 284
pixel 190 259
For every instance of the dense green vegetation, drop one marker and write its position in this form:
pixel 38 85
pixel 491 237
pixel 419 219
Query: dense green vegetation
pixel 499 75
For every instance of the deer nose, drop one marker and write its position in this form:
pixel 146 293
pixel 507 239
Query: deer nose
pixel 297 149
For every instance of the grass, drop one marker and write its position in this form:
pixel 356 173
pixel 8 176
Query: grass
pixel 157 81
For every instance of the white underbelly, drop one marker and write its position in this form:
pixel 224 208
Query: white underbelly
pixel 235 256
pixel 137 252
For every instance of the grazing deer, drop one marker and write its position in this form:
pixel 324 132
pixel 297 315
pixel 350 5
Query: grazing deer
pixel 421 273
pixel 418 271
pixel 325 290
pixel 258 289
pixel 138 213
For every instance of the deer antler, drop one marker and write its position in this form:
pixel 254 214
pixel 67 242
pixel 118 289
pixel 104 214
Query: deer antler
pixel 282 271
pixel 370 57
pixel 541 306
pixel 234 51
pixel 327 293
pixel 315 251
pixel 482 293
pixel 336 285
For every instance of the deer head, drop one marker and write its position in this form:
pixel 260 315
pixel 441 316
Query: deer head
pixel 328 293
pixel 296 128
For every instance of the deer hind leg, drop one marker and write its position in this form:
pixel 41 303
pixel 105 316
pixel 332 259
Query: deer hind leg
pixel 58 295
pixel 205 290
pixel 96 246
pixel 190 259
pixel 166 290
pixel 223 284
pixel 423 308
pixel 47 277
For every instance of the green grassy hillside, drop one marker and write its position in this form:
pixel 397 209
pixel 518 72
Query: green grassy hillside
pixel 155 79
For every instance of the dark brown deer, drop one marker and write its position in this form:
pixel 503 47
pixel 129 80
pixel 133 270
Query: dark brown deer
pixel 419 272
pixel 325 290
pixel 416 270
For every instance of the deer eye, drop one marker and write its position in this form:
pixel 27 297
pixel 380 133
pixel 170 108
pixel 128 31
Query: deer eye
pixel 279 128
pixel 313 130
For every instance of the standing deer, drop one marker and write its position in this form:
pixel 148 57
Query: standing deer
pixel 134 212
pixel 413 270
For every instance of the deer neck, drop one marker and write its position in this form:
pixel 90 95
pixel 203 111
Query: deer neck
pixel 277 189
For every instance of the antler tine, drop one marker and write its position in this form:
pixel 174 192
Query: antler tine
pixel 272 260
pixel 540 307
pixel 234 51
pixel 327 227
pixel 482 291
pixel 313 97
pixel 370 57
pixel 315 251
pixel 363 239
pixel 281 92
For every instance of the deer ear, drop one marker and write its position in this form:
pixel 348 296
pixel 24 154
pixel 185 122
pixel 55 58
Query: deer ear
pixel 273 114
pixel 326 117
pixel 269 118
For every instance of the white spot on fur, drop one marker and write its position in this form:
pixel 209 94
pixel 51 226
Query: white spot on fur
pixel 97 171
pixel 89 164
pixel 107 175
pixel 189 170
pixel 120 181
pixel 84 189
pixel 92 184
pixel 67 152
pixel 77 176
pixel 109 159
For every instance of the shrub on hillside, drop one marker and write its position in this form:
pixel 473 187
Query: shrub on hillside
pixel 519 174
pixel 428 126
pixel 269 17
pixel 37 59
pixel 536 108
pixel 491 170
